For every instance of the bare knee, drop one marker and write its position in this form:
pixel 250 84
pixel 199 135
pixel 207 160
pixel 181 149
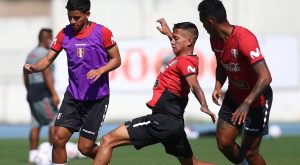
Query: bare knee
pixel 251 154
pixel 86 149
pixel 106 140
pixel 59 141
pixel 224 144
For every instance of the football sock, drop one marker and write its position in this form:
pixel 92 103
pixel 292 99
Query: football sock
pixel 32 155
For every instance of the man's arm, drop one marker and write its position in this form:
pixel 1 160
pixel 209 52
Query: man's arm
pixel 164 28
pixel 49 82
pixel 220 80
pixel 42 64
pixel 26 81
pixel 264 80
pixel 115 62
pixel 197 91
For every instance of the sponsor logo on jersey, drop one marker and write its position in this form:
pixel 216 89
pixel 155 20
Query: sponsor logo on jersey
pixel 235 53
pixel 191 69
pixel 240 84
pixel 232 67
pixel 81 45
pixel 255 54
pixel 80 52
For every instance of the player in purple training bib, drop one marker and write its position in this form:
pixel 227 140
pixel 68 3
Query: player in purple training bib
pixel 92 53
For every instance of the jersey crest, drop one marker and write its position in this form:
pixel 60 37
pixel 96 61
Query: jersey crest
pixel 80 52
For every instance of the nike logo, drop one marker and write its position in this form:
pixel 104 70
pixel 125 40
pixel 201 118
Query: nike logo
pixel 191 69
pixel 255 54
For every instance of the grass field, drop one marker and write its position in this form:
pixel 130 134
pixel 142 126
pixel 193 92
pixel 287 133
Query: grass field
pixel 282 151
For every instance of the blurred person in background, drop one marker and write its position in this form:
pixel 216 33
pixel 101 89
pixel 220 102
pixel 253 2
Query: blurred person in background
pixel 92 53
pixel 248 99
pixel 41 95
pixel 170 96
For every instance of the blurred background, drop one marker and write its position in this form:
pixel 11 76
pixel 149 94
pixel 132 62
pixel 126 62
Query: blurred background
pixel 143 49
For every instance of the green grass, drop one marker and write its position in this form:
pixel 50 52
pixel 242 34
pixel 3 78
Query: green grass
pixel 283 151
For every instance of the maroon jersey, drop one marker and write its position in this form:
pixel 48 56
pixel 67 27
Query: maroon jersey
pixel 170 92
pixel 236 55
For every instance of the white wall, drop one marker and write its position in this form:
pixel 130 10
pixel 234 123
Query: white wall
pixel 133 24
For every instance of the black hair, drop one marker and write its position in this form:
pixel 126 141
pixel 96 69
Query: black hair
pixel 81 5
pixel 47 30
pixel 212 9
pixel 187 26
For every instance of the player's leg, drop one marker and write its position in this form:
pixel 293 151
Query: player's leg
pixel 256 126
pixel 34 138
pixel 250 145
pixel 113 139
pixel 33 142
pixel 35 130
pixel 93 115
pixel 226 136
pixel 227 132
pixel 61 137
pixel 51 134
pixel 178 145
pixel 68 121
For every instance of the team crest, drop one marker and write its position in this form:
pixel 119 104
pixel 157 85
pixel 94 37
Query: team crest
pixel 235 53
pixel 80 52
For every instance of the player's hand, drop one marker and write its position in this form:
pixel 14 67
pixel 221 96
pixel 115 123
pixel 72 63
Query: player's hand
pixel 55 100
pixel 207 111
pixel 94 74
pixel 164 28
pixel 240 114
pixel 28 68
pixel 216 96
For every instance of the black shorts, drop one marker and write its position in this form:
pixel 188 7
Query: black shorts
pixel 160 128
pixel 83 116
pixel 257 121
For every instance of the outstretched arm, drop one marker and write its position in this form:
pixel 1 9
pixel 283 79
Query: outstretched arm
pixel 264 80
pixel 41 65
pixel 164 28
pixel 115 62
pixel 197 91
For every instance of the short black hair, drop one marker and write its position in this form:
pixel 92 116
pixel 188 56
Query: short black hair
pixel 187 26
pixel 212 9
pixel 81 5
pixel 47 30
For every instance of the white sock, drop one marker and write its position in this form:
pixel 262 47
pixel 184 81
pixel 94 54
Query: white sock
pixel 32 155
pixel 244 162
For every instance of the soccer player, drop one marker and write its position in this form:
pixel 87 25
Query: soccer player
pixel 41 95
pixel 248 98
pixel 92 54
pixel 170 96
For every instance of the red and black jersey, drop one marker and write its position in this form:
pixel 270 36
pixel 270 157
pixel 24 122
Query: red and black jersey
pixel 170 92
pixel 236 55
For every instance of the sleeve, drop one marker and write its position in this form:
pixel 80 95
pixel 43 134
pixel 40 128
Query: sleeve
pixel 108 38
pixel 248 46
pixel 57 42
pixel 187 68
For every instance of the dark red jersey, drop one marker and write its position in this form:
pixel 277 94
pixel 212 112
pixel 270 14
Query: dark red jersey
pixel 170 92
pixel 236 55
